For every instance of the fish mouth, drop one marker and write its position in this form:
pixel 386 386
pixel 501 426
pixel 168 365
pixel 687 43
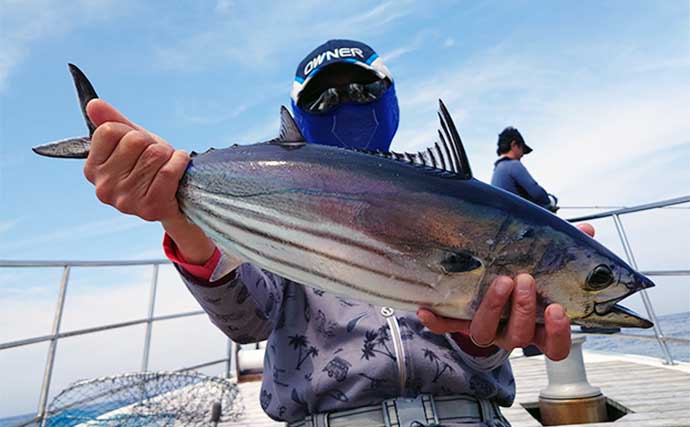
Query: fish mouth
pixel 611 314
pixel 616 316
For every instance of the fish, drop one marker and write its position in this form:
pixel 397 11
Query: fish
pixel 404 230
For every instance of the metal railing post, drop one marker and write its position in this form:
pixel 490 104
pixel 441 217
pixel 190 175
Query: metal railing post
pixel 149 320
pixel 231 365
pixel 645 296
pixel 52 347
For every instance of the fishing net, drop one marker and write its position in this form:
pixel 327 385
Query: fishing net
pixel 147 399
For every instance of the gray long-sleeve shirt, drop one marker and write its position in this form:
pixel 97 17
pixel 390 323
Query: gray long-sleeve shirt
pixel 327 353
pixel 512 175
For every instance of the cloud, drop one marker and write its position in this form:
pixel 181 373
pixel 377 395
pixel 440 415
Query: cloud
pixel 208 114
pixel 256 37
pixel 417 41
pixel 395 53
pixel 8 225
pixel 582 129
pixel 224 7
pixel 26 22
pixel 175 343
pixel 89 230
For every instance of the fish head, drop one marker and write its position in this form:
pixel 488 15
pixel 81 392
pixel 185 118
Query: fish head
pixel 589 282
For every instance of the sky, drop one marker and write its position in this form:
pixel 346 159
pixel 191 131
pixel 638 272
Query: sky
pixel 600 90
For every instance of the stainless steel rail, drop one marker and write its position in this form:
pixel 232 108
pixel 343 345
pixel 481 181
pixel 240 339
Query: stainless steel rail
pixel 85 331
pixel 56 334
pixel 615 215
pixel 666 272
pixel 635 336
pixel 638 208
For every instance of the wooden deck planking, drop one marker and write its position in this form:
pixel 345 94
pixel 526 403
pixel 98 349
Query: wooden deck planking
pixel 659 396
pixel 253 415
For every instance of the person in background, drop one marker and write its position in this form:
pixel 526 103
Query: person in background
pixel 330 360
pixel 511 175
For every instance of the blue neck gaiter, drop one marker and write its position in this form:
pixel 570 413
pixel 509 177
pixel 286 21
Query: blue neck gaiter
pixel 368 126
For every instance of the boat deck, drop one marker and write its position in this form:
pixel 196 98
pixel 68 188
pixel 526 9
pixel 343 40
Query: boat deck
pixel 656 395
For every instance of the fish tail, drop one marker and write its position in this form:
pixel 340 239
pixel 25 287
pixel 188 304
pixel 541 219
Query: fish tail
pixel 78 147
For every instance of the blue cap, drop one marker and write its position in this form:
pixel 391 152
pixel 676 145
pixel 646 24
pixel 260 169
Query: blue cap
pixel 337 51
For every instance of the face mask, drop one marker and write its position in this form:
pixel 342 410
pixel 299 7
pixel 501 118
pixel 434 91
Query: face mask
pixel 369 126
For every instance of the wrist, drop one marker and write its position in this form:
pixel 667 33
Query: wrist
pixel 465 343
pixel 193 244
pixel 176 224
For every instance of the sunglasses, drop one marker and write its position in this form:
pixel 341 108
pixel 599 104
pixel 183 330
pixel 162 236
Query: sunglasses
pixel 359 93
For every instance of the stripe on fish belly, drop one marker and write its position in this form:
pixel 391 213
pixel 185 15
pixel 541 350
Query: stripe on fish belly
pixel 270 216
pixel 297 272
pixel 310 258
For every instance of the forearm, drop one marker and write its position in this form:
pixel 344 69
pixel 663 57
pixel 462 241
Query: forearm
pixel 192 243
pixel 535 191
pixel 242 301
pixel 539 195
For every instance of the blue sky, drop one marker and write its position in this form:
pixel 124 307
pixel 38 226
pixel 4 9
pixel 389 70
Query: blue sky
pixel 600 90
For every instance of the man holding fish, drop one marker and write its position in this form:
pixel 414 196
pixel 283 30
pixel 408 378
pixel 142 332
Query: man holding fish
pixel 332 360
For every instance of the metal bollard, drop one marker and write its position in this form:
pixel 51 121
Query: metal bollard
pixel 569 398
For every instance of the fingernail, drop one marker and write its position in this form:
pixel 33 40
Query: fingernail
pixel 524 287
pixel 556 312
pixel 503 287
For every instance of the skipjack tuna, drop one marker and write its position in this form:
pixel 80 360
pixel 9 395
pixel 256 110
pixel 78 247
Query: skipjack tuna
pixel 400 230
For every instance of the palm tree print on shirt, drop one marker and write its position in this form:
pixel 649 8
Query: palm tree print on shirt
pixel 441 366
pixel 299 343
pixel 375 342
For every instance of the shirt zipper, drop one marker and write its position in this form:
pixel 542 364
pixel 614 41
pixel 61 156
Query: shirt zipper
pixel 396 336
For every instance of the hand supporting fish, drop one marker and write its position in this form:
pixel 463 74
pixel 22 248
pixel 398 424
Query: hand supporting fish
pixel 517 296
pixel 402 230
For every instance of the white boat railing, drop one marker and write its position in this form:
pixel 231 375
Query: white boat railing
pixel 57 334
pixel 231 361
pixel 615 215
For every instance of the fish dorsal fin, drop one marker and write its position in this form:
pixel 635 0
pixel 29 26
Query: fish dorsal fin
pixel 85 92
pixel 446 156
pixel 289 136
pixel 462 164
pixel 289 132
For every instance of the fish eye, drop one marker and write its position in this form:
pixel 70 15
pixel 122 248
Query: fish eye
pixel 458 262
pixel 600 278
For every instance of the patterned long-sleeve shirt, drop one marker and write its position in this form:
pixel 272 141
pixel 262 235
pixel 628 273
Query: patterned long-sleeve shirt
pixel 327 353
